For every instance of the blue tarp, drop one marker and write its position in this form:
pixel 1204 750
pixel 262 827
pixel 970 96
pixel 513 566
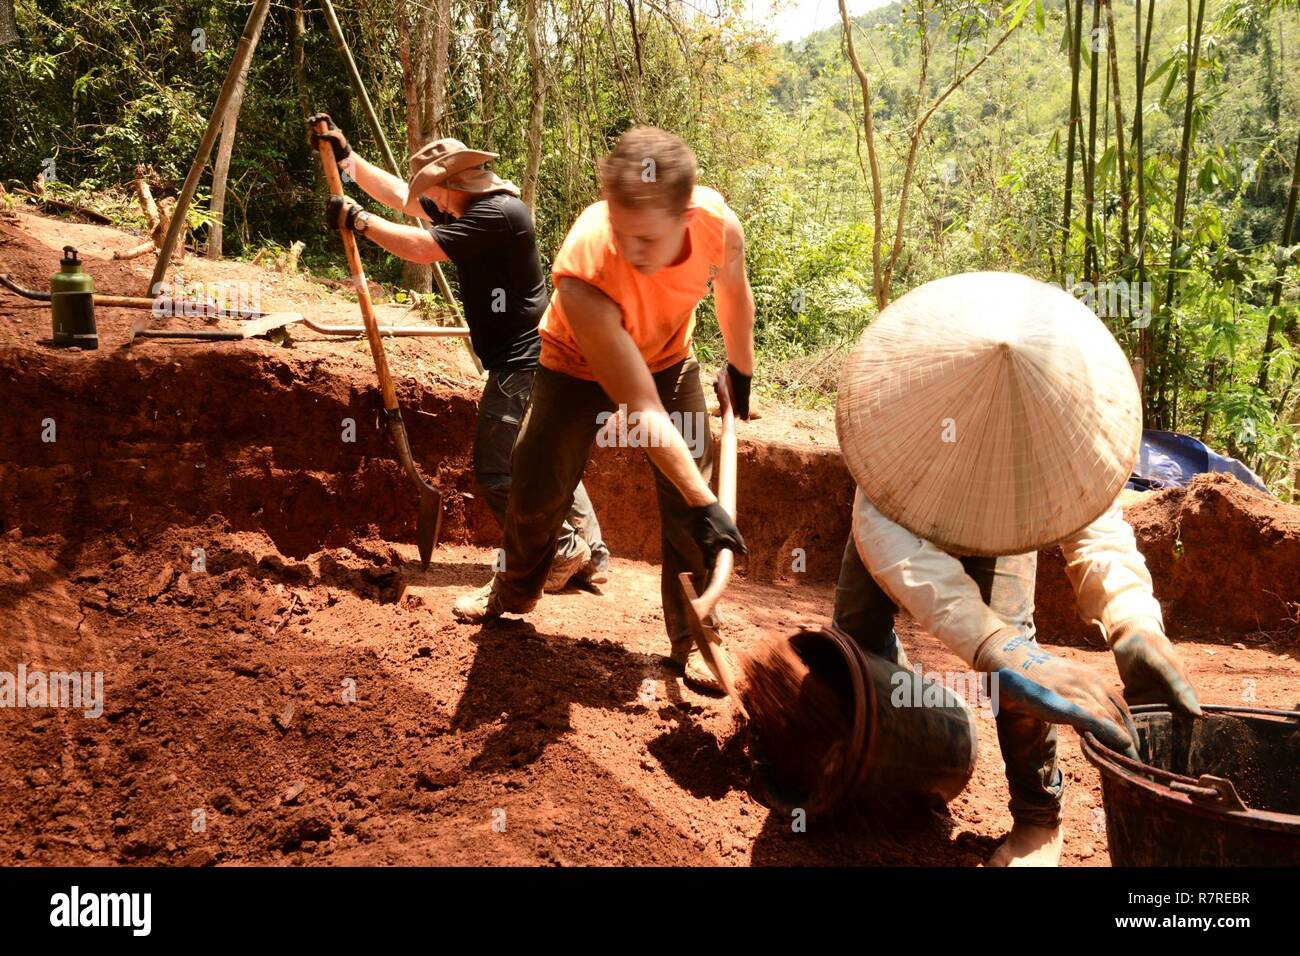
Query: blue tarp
pixel 1170 460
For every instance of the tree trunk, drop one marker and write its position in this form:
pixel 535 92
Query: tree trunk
pixel 486 75
pixel 877 212
pixel 1090 256
pixel 221 171
pixel 298 39
pixel 537 94
pixel 8 25
pixel 1076 120
pixel 1121 156
pixel 1275 299
pixel 1165 407
pixel 423 42
pixel 1142 53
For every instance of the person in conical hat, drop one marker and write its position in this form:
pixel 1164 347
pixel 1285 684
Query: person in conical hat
pixel 477 222
pixel 986 416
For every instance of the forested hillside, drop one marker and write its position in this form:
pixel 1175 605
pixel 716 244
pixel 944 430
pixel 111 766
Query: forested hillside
pixel 1177 225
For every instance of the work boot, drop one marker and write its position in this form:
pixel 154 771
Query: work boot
pixel 563 569
pixel 596 570
pixel 486 604
pixel 697 675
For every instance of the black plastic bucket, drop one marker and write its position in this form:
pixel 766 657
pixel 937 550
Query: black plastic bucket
pixel 1221 791
pixel 892 751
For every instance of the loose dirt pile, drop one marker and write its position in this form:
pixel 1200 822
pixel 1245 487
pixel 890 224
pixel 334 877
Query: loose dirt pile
pixel 1225 559
pixel 1263 766
pixel 797 718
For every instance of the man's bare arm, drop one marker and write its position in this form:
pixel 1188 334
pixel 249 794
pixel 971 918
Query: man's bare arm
pixel 380 184
pixel 597 324
pixel 411 243
pixel 734 299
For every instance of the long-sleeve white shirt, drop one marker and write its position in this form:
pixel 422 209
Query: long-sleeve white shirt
pixel 1109 575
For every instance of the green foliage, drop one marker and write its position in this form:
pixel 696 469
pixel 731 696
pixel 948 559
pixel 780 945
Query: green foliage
pixel 96 87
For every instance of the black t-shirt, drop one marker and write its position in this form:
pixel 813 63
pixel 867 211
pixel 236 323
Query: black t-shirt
pixel 494 249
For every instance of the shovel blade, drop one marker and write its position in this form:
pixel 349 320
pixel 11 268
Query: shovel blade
pixel 428 524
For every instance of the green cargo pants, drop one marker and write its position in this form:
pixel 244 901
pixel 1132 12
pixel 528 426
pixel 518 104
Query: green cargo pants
pixel 866 613
pixel 550 455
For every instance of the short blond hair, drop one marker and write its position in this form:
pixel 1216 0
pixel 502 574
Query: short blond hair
pixel 649 167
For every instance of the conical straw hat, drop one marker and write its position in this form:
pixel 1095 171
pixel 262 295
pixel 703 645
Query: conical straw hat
pixel 989 413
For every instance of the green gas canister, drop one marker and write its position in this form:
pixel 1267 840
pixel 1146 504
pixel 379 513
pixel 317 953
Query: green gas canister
pixel 72 300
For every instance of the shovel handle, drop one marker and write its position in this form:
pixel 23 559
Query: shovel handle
pixel 335 183
pixel 726 559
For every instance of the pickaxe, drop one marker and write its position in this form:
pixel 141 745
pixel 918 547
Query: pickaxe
pixel 429 520
pixel 699 609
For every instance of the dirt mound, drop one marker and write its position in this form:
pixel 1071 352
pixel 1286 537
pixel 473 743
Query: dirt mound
pixel 1224 558
pixel 157 432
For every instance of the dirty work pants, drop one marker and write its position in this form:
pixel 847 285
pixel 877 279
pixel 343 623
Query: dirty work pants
pixel 500 413
pixel 550 455
pixel 866 613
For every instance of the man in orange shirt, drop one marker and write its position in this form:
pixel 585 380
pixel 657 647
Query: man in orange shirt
pixel 617 336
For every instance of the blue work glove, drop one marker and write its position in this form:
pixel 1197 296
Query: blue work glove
pixel 1150 668
pixel 1033 682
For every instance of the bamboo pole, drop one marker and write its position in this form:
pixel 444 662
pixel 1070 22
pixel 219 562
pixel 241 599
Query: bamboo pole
pixel 243 53
pixel 1288 227
pixel 1090 256
pixel 221 170
pixel 1121 155
pixel 1076 119
pixel 1143 53
pixel 1166 417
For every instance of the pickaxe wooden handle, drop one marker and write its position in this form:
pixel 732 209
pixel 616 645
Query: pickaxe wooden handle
pixel 700 608
pixel 429 520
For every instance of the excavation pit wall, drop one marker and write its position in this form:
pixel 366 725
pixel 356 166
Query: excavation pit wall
pixel 149 438
pixel 154 436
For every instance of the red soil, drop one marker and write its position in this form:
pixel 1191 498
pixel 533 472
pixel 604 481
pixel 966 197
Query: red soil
pixel 225 687
pixel 1224 557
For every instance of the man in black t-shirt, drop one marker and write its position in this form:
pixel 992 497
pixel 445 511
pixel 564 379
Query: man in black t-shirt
pixel 482 227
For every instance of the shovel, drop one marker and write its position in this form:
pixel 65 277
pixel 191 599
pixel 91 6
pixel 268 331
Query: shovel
pixel 258 328
pixel 699 608
pixel 429 521
pixel 223 335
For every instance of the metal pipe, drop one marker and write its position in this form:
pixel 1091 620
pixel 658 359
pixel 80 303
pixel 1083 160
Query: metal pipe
pixel 140 302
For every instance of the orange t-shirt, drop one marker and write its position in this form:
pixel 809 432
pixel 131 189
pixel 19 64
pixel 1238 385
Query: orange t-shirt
pixel 658 309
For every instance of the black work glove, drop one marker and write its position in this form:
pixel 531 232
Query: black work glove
pixel 713 530
pixel 738 384
pixel 334 136
pixel 341 213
